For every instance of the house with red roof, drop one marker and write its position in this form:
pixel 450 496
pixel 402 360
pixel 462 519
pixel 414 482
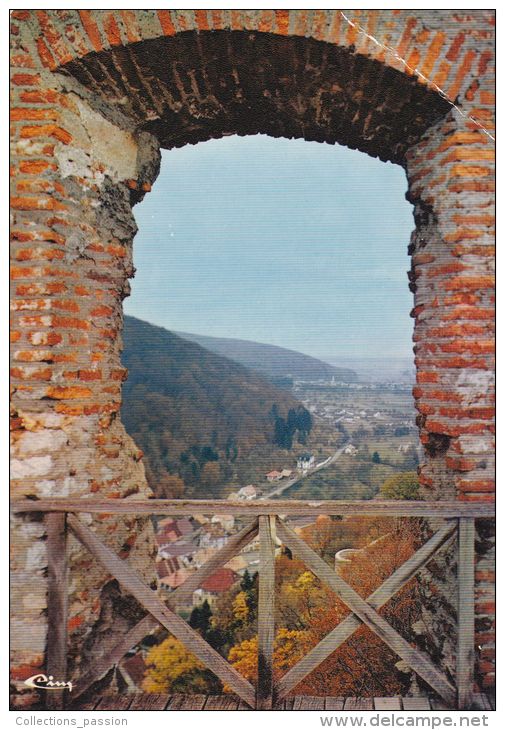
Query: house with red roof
pixel 214 586
pixel 132 670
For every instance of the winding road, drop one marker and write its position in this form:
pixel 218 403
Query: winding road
pixel 289 483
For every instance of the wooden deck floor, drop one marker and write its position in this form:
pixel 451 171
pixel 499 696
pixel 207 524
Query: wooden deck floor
pixel 180 702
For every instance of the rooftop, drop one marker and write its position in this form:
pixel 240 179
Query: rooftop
pixel 221 581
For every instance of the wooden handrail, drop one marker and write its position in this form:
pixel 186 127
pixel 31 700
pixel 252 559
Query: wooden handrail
pixel 458 519
pixel 289 508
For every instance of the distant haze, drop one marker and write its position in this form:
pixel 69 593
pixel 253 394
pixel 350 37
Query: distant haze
pixel 284 242
pixel 379 369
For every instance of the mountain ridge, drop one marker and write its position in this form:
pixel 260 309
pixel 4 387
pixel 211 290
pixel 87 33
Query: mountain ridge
pixel 197 415
pixel 275 361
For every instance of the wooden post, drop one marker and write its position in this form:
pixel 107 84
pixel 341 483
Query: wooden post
pixel 266 614
pixel 377 599
pixel 415 658
pixel 465 659
pixel 145 625
pixel 135 585
pixel 57 605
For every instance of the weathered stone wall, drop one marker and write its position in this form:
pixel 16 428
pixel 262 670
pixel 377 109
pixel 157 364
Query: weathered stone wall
pixel 76 169
pixel 94 94
pixel 451 185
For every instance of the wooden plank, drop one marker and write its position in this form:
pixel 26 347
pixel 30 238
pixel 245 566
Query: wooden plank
pixel 481 702
pixel 465 656
pixel 57 605
pixel 390 508
pixel 148 623
pixel 439 705
pixel 186 702
pixel 171 621
pixel 358 703
pixel 377 599
pixel 221 702
pixel 413 657
pixel 416 704
pixel 286 704
pixel 266 613
pixel 311 703
pixel 387 704
pixel 334 703
pixel 87 705
pixel 243 705
pixel 115 702
pixel 147 701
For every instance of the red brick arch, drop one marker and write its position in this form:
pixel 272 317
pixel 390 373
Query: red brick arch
pixel 95 93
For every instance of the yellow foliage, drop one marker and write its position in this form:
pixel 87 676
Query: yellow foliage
pixel 168 662
pixel 289 647
pixel 240 607
pixel 306 581
pixel 244 657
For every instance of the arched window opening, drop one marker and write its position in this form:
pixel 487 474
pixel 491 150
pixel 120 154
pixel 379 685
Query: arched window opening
pixel 289 258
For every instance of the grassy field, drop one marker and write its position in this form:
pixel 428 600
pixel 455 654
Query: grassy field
pixel 355 477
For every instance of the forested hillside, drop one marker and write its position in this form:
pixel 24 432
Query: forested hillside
pixel 197 415
pixel 274 362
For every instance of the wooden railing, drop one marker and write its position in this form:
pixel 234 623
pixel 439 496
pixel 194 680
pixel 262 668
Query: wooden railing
pixel 456 519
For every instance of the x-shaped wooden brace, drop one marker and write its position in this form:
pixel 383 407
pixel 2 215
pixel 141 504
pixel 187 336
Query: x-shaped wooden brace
pixel 365 612
pixel 160 613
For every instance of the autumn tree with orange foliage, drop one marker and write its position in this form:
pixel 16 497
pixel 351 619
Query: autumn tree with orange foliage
pixel 289 647
pixel 364 665
pixel 306 611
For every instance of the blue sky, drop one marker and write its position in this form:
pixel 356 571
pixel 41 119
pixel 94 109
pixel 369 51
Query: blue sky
pixel 288 242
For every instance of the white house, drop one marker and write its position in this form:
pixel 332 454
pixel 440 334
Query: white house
pixel 350 449
pixel 248 492
pixel 305 461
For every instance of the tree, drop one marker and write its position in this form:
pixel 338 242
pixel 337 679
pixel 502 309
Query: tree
pixel 289 647
pixel 169 486
pixel 244 657
pixel 360 433
pixel 173 668
pixel 298 420
pixel 240 607
pixel 401 486
pixel 376 457
pixel 283 436
pixel 210 474
pixel 247 583
pixel 207 453
pixel 200 618
pixel 364 665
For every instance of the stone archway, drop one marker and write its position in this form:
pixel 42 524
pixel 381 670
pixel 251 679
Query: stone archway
pixel 95 94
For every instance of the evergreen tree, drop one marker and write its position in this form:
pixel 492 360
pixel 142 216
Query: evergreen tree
pixel 200 618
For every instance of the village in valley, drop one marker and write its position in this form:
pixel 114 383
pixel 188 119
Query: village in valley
pixel 378 433
pixel 363 433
